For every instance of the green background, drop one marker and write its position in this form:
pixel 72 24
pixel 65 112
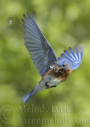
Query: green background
pixel 64 23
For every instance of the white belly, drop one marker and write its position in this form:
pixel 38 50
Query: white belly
pixel 51 80
pixel 47 79
pixel 54 81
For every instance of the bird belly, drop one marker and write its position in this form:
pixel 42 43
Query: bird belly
pixel 47 80
pixel 52 81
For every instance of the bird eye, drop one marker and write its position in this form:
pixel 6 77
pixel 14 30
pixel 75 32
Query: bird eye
pixel 63 65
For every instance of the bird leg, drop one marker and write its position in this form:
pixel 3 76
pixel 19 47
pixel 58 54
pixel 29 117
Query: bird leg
pixel 48 86
pixel 53 86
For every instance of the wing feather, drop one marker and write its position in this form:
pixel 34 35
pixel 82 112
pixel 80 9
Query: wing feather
pixel 38 47
pixel 74 57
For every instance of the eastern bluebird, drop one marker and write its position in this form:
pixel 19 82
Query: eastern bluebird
pixel 52 70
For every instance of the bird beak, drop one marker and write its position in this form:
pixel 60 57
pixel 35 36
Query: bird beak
pixel 52 66
pixel 60 67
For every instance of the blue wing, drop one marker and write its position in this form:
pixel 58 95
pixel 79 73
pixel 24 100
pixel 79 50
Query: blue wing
pixel 74 57
pixel 38 47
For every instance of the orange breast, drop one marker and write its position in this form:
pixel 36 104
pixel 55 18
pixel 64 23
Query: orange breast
pixel 63 75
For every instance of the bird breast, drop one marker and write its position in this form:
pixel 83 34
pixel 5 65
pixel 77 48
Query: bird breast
pixel 60 75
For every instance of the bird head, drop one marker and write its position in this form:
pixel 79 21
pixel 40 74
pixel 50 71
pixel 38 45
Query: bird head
pixel 64 64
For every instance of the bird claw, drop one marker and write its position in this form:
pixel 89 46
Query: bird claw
pixel 53 86
pixel 47 85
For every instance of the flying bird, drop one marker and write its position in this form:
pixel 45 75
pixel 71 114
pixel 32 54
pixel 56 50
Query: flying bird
pixel 53 70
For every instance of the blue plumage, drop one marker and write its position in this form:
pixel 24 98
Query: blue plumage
pixel 40 50
pixel 52 70
pixel 74 57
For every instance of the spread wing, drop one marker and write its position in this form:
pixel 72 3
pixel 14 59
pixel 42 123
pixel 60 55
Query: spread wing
pixel 74 57
pixel 38 47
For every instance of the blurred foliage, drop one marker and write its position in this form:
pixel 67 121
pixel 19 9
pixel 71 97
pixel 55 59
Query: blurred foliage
pixel 64 23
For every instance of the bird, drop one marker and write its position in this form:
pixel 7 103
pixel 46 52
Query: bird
pixel 52 70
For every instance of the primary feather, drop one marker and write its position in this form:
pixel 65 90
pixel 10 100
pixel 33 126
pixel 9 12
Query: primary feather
pixel 40 50
pixel 74 57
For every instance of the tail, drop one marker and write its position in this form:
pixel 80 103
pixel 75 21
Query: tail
pixel 29 95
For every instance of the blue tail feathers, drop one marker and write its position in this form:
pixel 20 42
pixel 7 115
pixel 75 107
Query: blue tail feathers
pixel 28 96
